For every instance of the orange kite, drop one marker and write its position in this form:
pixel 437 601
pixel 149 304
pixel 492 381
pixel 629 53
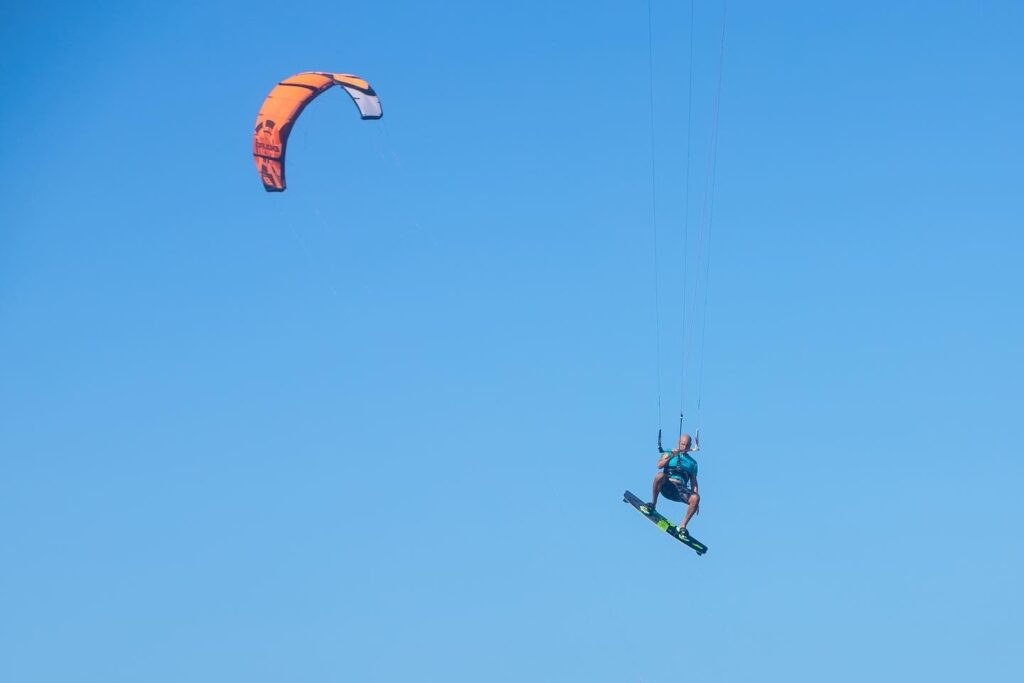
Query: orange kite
pixel 283 106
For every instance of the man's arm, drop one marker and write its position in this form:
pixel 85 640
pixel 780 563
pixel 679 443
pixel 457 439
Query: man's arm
pixel 665 457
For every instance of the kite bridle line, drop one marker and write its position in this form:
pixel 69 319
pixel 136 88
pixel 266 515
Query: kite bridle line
pixel 654 204
pixel 709 202
pixel 701 274
pixel 686 221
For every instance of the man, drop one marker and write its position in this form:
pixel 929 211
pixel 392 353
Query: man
pixel 677 480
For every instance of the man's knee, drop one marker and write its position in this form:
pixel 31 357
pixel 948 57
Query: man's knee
pixel 694 499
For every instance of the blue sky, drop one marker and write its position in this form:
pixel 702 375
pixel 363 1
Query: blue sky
pixel 377 428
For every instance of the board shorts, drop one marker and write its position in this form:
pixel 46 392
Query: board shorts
pixel 676 489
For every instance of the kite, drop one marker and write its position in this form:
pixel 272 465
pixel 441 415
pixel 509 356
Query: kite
pixel 282 107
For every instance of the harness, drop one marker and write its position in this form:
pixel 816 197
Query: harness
pixel 678 471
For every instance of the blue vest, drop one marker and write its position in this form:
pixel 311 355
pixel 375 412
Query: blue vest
pixel 681 466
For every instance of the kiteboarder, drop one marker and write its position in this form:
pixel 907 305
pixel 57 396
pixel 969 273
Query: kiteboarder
pixel 677 480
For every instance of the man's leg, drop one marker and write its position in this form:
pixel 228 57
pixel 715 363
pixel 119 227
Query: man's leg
pixel 656 489
pixel 691 508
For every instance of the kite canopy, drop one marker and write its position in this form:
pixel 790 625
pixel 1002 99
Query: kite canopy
pixel 283 106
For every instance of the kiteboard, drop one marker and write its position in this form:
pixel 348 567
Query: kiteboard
pixel 664 524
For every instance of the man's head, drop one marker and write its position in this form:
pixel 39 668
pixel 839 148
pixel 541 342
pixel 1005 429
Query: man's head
pixel 684 443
